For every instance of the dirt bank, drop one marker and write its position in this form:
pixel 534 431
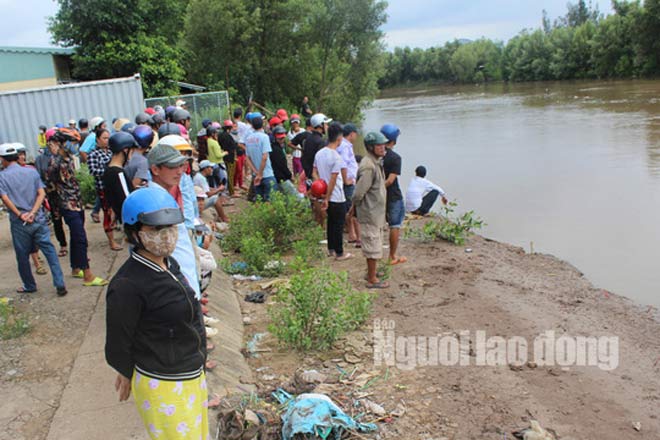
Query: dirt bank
pixel 503 291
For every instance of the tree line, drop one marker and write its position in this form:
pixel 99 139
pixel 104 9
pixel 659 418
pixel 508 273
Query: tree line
pixel 273 51
pixel 580 45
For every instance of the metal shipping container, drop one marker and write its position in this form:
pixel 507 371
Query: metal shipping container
pixel 23 111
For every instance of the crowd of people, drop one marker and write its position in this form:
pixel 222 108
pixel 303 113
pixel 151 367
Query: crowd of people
pixel 155 179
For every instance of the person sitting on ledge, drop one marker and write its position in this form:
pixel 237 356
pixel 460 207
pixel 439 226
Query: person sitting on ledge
pixel 422 193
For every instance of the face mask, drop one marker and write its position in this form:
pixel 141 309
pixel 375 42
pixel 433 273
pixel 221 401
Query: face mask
pixel 160 243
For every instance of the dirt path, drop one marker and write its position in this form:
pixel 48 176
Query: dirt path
pixel 35 368
pixel 501 290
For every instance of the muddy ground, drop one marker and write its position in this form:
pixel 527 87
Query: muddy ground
pixel 501 290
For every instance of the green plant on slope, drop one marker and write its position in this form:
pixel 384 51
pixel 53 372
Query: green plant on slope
pixel 453 228
pixel 12 323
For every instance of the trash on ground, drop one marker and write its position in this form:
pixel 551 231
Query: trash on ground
pixel 637 426
pixel 239 277
pixel 373 407
pixel 252 344
pixel 258 297
pixel 534 432
pixel 315 414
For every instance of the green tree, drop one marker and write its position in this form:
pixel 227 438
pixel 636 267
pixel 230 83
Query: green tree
pixel 117 38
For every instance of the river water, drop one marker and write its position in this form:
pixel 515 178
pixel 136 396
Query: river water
pixel 572 167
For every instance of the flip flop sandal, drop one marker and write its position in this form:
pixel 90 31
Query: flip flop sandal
pixel 378 285
pixel 80 274
pixel 41 270
pixel 96 282
pixel 358 244
pixel 24 290
pixel 63 253
pixel 346 256
pixel 211 364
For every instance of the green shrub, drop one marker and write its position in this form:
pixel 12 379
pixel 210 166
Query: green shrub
pixel 316 308
pixel 307 251
pixel 258 253
pixel 452 228
pixel 87 185
pixel 12 323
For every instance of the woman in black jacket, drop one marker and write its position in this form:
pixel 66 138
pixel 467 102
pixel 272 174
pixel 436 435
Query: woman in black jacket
pixel 155 335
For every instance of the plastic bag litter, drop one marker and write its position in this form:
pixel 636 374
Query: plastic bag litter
pixel 246 277
pixel 315 414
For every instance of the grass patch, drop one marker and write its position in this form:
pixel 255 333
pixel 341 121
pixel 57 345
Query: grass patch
pixel 450 227
pixel 12 323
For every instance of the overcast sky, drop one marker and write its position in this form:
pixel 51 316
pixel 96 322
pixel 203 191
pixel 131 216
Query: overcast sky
pixel 415 23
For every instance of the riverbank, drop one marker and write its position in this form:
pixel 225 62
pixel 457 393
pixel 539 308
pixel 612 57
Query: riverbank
pixel 503 291
pixel 442 289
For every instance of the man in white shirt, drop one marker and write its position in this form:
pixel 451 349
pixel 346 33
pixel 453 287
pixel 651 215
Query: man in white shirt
pixel 422 193
pixel 327 166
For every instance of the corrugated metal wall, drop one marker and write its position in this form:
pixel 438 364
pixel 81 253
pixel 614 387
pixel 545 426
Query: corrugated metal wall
pixel 23 111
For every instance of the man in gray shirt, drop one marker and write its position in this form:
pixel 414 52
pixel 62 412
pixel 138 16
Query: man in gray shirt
pixel 22 192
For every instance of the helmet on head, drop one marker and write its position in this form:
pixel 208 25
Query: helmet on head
pixel 20 147
pixel 128 127
pixel 319 119
pixel 212 130
pixel 279 132
pixel 295 118
pixel 8 149
pixel 95 122
pixel 66 135
pixel 274 121
pixel 49 133
pixel 167 129
pixel 391 132
pixel 374 138
pixel 282 114
pixel 319 188
pixel 180 115
pixel 228 123
pixel 43 128
pixel 176 142
pixel 206 122
pixel 152 207
pixel 82 123
pixel 59 125
pixel 141 118
pixel 143 135
pixel 248 116
pixel 120 141
pixel 156 119
pixel 150 111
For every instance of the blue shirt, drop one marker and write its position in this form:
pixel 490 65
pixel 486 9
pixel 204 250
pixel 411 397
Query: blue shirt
pixel 190 208
pixel 184 253
pixel 89 145
pixel 21 184
pixel 258 144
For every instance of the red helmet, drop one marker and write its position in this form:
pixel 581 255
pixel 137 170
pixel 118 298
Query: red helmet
pixel 228 123
pixel 150 111
pixel 282 114
pixel 295 118
pixel 319 188
pixel 275 121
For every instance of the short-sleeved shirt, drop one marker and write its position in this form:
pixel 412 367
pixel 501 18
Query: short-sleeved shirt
pixel 327 162
pixel 97 162
pixel 258 144
pixel 200 180
pixel 89 145
pixel 62 177
pixel 392 164
pixel 116 188
pixel 228 144
pixel 291 136
pixel 243 130
pixel 214 151
pixel 21 185
pixel 137 166
pixel 345 150
pixel 312 144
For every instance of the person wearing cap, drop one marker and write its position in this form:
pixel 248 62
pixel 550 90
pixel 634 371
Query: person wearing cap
pixel 295 130
pixel 97 162
pixel 327 166
pixel 167 168
pixel 206 169
pixel 215 152
pixel 422 193
pixel 117 186
pixel 155 336
pixel 369 202
pixel 202 140
pixel 349 174
pixel 180 103
pixel 258 159
pixel 97 123
pixel 229 146
pixel 314 142
pixel 279 162
pixel 72 124
pixel 22 193
pixel 62 175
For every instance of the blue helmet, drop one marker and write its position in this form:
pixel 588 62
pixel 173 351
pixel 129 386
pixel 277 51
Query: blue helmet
pixel 391 132
pixel 248 116
pixel 151 206
pixel 143 135
pixel 120 141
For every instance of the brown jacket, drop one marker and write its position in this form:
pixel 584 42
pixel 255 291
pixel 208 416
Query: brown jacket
pixel 370 194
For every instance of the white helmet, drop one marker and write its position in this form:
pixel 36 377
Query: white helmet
pixel 319 119
pixel 175 141
pixel 8 149
pixel 19 147
pixel 95 122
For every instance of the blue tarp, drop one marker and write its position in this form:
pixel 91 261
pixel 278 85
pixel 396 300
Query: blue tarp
pixel 315 414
